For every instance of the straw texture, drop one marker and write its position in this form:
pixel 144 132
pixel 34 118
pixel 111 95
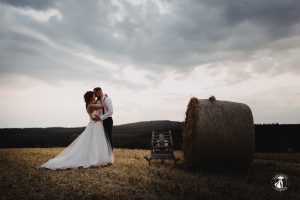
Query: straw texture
pixel 218 134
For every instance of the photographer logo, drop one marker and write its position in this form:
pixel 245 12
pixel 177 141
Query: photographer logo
pixel 280 182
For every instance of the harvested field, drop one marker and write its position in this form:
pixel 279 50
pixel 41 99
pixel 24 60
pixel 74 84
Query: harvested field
pixel 130 177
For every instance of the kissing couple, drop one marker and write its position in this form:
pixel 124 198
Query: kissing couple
pixel 93 147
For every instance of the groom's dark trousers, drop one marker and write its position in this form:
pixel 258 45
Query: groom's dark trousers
pixel 108 125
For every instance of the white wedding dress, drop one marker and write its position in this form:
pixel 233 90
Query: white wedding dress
pixel 90 148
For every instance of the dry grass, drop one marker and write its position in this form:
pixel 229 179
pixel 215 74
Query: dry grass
pixel 130 177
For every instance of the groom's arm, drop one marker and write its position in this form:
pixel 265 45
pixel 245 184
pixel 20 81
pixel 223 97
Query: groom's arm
pixel 96 119
pixel 109 112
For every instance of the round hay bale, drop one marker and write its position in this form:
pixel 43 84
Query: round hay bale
pixel 218 134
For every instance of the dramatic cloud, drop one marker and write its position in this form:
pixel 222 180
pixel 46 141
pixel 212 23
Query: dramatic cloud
pixel 153 35
pixel 35 4
pixel 136 45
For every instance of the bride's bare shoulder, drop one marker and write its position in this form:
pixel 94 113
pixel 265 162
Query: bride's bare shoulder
pixel 91 107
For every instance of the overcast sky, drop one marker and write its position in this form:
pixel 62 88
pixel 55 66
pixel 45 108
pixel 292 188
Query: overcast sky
pixel 150 57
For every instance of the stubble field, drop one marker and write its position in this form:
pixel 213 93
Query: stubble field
pixel 130 177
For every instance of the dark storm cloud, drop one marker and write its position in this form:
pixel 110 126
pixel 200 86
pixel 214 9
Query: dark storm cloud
pixel 188 34
pixel 275 18
pixel 35 4
pixel 269 12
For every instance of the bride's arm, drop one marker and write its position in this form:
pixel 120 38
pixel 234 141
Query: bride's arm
pixel 98 106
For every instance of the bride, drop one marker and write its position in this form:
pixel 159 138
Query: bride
pixel 90 148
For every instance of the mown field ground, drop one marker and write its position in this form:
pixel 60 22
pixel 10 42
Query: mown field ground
pixel 130 177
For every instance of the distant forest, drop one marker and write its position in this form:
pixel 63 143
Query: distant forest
pixel 268 137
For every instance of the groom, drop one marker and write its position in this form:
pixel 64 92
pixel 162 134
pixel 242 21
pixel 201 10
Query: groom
pixel 107 112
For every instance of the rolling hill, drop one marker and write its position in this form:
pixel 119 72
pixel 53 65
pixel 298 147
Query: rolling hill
pixel 268 137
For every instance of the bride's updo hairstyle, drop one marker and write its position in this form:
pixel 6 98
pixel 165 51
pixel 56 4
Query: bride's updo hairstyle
pixel 88 97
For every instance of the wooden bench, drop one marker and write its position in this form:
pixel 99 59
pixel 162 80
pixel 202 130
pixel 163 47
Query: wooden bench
pixel 161 147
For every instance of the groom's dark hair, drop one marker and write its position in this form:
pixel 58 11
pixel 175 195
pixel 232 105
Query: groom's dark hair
pixel 96 89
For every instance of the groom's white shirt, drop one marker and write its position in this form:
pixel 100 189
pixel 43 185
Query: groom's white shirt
pixel 108 110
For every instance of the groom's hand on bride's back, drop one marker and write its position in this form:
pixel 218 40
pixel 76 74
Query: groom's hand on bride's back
pixel 96 119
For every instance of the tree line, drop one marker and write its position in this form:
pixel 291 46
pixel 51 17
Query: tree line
pixel 268 137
